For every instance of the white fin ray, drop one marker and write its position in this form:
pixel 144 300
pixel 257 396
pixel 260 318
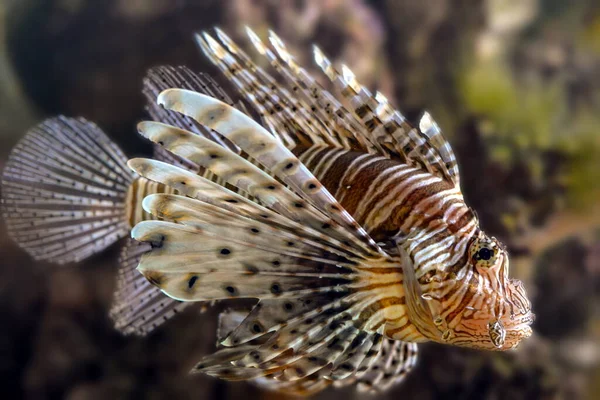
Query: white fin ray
pixel 280 110
pixel 242 174
pixel 359 98
pixel 297 110
pixel 251 90
pixel 323 102
pixel 258 143
pixel 165 77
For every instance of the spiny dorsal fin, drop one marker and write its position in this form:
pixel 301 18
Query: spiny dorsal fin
pixel 372 126
pixel 290 109
pixel 321 100
pixel 285 114
pixel 64 189
pixel 424 145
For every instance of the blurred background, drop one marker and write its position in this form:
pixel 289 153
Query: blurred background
pixel 515 85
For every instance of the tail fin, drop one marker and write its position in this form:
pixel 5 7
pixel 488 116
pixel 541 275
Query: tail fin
pixel 64 191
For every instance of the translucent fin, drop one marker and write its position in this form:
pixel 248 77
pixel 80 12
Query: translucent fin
pixel 64 190
pixel 394 361
pixel 229 320
pixel 138 306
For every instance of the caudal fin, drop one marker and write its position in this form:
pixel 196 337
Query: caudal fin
pixel 64 189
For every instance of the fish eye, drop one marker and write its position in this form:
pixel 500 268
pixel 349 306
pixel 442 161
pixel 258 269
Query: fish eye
pixel 485 254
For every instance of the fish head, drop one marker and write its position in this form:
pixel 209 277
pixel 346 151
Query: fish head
pixel 490 310
pixel 479 307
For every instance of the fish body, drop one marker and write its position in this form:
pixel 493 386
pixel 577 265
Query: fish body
pixel 387 197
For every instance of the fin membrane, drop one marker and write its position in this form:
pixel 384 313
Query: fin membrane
pixel 64 189
pixel 138 306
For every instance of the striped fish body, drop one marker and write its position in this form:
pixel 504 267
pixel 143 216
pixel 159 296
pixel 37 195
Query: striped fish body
pixel 347 225
pixel 387 197
pixel 138 190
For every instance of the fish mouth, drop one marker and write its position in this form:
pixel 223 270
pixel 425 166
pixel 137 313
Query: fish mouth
pixel 522 330
pixel 525 323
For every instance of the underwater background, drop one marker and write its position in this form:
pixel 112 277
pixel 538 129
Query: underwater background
pixel 514 84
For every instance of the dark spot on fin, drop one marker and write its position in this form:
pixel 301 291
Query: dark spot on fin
pixel 157 244
pixel 192 281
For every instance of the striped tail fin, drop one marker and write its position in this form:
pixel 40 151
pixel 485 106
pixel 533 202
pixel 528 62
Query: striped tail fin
pixel 64 189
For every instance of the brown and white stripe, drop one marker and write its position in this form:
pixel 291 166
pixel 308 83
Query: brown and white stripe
pixel 139 189
pixel 387 197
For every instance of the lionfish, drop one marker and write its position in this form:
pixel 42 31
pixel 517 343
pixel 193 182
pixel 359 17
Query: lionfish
pixel 345 224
